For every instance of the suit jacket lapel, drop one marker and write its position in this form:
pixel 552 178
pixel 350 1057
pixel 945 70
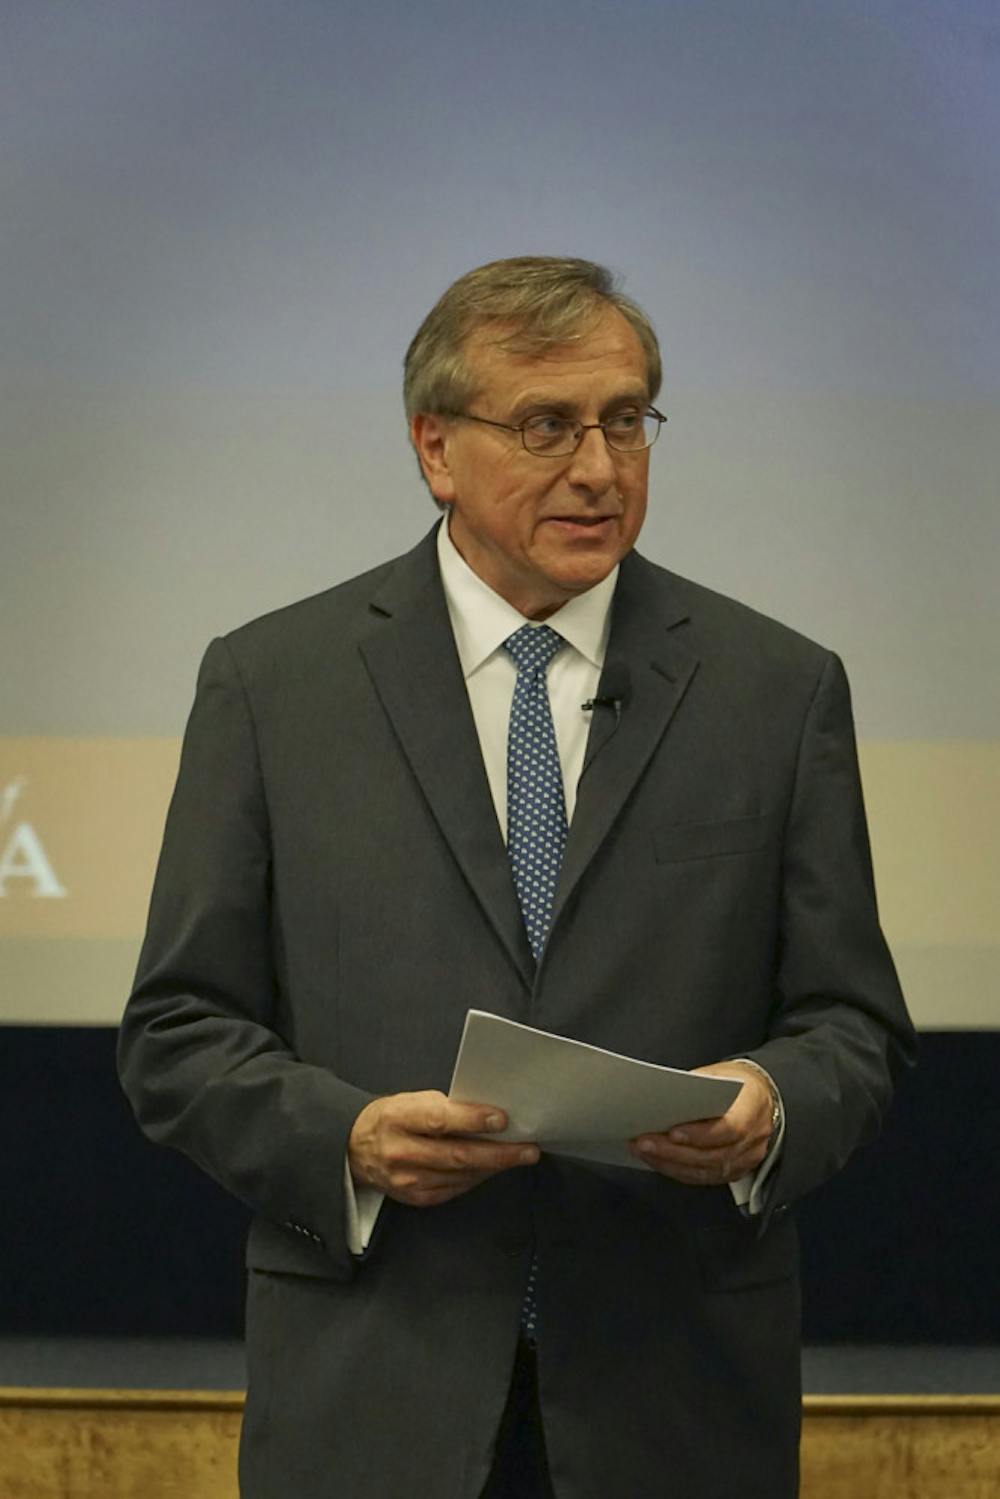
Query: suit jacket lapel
pixel 411 657
pixel 646 651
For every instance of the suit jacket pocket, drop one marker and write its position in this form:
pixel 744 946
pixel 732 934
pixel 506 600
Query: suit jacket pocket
pixel 706 840
pixel 273 1247
pixel 735 1259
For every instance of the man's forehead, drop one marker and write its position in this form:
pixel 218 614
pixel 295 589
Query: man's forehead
pixel 504 353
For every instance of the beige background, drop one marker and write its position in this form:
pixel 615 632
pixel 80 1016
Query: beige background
pixel 97 808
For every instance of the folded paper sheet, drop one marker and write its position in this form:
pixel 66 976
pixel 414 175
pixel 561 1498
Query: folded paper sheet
pixel 575 1099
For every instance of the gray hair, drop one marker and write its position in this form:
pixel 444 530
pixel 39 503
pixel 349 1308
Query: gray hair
pixel 541 301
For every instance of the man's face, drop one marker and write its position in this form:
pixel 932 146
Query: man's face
pixel 539 530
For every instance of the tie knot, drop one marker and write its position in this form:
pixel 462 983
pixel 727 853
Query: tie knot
pixel 533 646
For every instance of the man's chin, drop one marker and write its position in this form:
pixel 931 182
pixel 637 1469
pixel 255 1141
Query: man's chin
pixel 584 571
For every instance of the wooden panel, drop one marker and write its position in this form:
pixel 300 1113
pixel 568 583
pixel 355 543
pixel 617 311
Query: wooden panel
pixel 110 1444
pixel 90 1444
pixel 901 1448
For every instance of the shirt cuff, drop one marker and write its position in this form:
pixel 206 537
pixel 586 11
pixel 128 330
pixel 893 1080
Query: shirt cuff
pixel 748 1191
pixel 363 1206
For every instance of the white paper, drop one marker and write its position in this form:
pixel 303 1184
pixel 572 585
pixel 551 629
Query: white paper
pixel 576 1099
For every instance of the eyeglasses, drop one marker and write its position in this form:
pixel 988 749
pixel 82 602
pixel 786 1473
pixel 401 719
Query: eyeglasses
pixel 550 436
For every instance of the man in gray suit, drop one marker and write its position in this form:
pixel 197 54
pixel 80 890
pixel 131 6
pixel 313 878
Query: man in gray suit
pixel 432 1310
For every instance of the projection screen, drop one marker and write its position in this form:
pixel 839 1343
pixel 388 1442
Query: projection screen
pixel 222 224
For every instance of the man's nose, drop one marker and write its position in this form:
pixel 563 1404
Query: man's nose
pixel 592 465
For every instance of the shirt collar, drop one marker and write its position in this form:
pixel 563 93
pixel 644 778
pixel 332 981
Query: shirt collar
pixel 482 620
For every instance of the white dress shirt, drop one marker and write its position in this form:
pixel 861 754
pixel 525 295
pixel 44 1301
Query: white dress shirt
pixel 482 621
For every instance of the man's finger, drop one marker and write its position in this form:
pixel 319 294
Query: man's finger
pixel 431 1113
pixel 421 1172
pixel 697 1166
pixel 715 1174
pixel 662 1148
pixel 474 1118
pixel 460 1154
pixel 707 1134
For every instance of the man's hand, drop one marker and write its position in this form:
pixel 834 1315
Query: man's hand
pixel 411 1147
pixel 709 1152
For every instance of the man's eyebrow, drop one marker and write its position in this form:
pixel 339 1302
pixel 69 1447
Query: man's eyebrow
pixel 540 402
pixel 639 396
pixel 535 402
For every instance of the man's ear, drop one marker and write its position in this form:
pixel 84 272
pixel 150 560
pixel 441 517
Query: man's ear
pixel 429 434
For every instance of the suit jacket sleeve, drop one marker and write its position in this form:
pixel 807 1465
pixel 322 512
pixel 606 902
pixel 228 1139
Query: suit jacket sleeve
pixel 840 1032
pixel 201 1056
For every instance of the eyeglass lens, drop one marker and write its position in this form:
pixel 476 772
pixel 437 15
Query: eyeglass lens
pixel 555 436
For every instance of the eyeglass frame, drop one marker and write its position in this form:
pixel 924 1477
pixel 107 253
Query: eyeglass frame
pixel 581 428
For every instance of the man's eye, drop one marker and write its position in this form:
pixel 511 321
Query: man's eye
pixel 548 426
pixel 623 423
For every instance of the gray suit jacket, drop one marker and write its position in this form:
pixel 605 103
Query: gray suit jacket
pixel 334 894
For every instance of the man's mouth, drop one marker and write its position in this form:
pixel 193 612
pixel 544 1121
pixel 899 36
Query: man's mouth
pixel 582 522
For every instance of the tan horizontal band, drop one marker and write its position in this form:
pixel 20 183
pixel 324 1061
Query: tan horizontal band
pixel 81 822
pixel 233 1400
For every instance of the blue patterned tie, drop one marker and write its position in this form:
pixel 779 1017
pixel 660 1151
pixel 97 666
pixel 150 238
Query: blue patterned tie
pixel 536 814
pixel 536 805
